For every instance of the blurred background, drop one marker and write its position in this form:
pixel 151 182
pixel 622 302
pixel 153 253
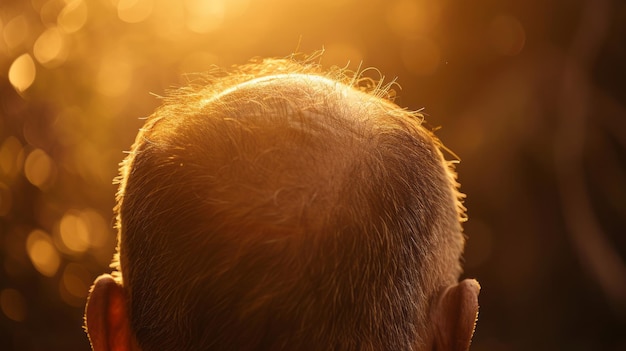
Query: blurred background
pixel 530 94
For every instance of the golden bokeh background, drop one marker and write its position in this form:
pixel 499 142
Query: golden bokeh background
pixel 531 94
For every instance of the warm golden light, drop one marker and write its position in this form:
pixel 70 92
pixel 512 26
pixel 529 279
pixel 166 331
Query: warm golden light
pixel 529 94
pixel 74 232
pixel 421 57
pixel 13 304
pixel 169 20
pixel 412 19
pixel 74 284
pixel 48 10
pixel 97 228
pixel 204 16
pixel 11 157
pixel 38 168
pixel 198 61
pixel 6 199
pixel 50 48
pixel 341 53
pixel 508 36
pixel 239 7
pixel 134 11
pixel 22 72
pixel 73 16
pixel 42 253
pixel 89 164
pixel 115 74
pixel 15 31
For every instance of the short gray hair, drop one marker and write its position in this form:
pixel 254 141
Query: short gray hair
pixel 282 208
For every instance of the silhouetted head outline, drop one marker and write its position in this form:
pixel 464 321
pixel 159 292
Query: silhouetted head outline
pixel 279 207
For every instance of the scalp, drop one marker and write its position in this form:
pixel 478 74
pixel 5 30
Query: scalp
pixel 287 206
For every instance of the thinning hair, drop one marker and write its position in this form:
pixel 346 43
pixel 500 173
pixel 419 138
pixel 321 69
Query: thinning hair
pixel 280 207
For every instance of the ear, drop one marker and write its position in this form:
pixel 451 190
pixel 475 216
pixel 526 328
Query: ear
pixel 454 315
pixel 106 317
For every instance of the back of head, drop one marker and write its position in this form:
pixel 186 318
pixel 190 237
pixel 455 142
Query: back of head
pixel 280 208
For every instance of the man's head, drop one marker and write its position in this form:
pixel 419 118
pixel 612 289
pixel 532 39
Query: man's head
pixel 279 208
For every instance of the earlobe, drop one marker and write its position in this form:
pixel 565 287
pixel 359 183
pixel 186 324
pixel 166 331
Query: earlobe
pixel 106 316
pixel 454 315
